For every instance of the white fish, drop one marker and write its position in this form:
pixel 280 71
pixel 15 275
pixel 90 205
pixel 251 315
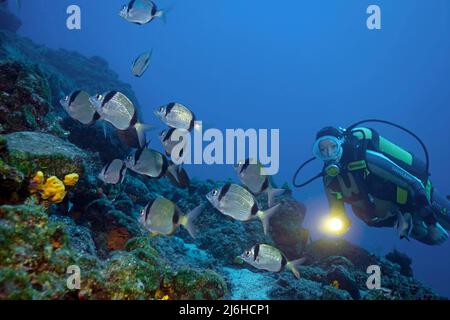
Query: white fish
pixel 250 173
pixel 177 116
pixel 162 216
pixel 235 201
pixel 169 142
pixel 115 108
pixel 79 107
pixel 150 163
pixel 140 11
pixel 265 257
pixel 140 65
pixel 114 172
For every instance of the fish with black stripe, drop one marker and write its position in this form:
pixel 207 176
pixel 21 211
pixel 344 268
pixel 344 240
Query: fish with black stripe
pixel 177 116
pixel 114 172
pixel 237 202
pixel 251 174
pixel 140 11
pixel 117 109
pixel 266 257
pixel 150 163
pixel 79 107
pixel 141 63
pixel 162 216
pixel 174 142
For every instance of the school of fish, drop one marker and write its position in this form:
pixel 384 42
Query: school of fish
pixel 162 216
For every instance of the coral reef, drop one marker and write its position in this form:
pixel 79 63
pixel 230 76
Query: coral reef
pixel 52 189
pixel 36 251
pixel 94 226
pixel 403 260
pixel 32 151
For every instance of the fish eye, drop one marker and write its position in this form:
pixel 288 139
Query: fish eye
pixel 66 98
pixel 99 97
pixel 161 109
pixel 215 192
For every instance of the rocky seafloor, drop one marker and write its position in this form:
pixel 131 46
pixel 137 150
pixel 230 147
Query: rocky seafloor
pixel 96 227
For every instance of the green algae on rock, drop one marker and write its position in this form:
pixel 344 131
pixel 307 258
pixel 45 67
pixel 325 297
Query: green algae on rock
pixel 35 253
pixel 189 284
pixel 33 151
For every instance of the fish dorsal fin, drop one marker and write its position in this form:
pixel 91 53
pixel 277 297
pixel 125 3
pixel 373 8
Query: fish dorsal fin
pixel 224 190
pixel 131 5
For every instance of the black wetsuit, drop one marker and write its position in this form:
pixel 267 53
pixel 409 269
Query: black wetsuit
pixel 378 179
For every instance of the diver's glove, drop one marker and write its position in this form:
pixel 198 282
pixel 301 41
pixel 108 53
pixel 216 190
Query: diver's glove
pixel 404 225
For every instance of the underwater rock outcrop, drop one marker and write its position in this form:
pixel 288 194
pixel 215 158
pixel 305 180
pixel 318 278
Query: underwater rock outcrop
pixel 97 230
pixel 36 251
pixel 34 78
pixel 25 100
pixel 33 151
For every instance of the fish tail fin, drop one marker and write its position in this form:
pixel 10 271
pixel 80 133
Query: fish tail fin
pixel 293 266
pixel 190 218
pixel 163 14
pixel 272 193
pixel 173 170
pixel 265 217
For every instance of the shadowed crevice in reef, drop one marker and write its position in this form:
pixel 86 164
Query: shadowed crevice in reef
pixel 100 233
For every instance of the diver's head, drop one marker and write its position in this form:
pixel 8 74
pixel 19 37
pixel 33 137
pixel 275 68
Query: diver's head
pixel 328 145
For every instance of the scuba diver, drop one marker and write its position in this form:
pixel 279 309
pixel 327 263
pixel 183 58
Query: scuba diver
pixel 385 185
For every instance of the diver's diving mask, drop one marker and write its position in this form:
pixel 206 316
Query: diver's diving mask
pixel 328 148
